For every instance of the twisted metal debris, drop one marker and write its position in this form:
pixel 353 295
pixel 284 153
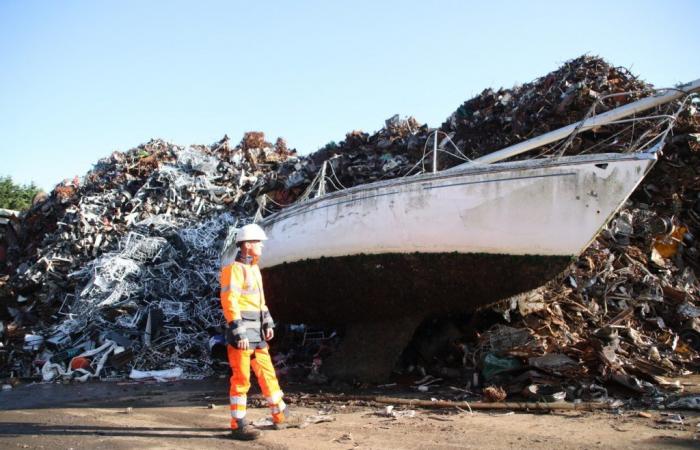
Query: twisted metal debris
pixel 129 254
pixel 132 258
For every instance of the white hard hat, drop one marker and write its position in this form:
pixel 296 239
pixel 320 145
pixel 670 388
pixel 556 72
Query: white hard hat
pixel 251 232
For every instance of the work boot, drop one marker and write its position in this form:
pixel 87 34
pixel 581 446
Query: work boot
pixel 245 433
pixel 290 421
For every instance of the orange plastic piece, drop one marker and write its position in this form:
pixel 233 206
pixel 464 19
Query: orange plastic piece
pixel 79 362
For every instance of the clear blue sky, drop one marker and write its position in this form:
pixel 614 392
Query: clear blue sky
pixel 80 79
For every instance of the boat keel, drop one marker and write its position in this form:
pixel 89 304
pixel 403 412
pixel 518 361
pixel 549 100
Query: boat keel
pixel 370 350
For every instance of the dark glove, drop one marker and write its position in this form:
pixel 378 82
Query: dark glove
pixel 267 322
pixel 235 332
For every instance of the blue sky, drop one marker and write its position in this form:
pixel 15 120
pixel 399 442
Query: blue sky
pixel 80 79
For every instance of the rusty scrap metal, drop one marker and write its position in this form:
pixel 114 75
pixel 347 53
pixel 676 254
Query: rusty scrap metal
pixel 141 232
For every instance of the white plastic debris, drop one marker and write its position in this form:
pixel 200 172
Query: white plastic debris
pixel 158 375
pixel 51 371
pixel 675 419
pixel 318 419
pixel 408 413
pixel 265 422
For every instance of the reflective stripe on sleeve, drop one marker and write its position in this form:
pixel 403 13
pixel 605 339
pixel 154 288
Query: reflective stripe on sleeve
pixel 245 291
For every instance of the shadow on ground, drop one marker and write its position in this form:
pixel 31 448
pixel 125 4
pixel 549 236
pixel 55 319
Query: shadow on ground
pixel 673 442
pixel 16 429
pixel 116 395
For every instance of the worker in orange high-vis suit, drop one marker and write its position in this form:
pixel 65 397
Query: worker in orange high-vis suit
pixel 250 326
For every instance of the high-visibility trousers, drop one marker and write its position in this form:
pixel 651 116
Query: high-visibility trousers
pixel 241 362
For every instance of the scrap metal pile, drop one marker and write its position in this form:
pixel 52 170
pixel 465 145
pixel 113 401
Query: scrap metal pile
pixel 124 262
pixel 627 312
pixel 578 89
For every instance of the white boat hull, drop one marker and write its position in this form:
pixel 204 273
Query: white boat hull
pixel 544 208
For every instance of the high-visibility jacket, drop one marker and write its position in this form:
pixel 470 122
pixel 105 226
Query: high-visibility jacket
pixel 243 302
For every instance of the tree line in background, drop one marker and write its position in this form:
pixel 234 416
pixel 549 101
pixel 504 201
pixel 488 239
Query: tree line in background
pixel 15 196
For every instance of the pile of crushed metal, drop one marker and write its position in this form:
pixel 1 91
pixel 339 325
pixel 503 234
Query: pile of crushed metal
pixel 627 312
pixel 121 267
pixel 116 274
pixel 581 87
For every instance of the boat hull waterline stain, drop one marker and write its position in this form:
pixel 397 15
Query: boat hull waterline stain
pixel 380 287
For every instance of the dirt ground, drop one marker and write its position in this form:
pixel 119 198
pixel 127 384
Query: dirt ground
pixel 194 415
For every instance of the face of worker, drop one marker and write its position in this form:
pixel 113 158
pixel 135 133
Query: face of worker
pixel 254 248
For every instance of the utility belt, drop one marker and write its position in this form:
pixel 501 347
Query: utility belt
pixel 251 326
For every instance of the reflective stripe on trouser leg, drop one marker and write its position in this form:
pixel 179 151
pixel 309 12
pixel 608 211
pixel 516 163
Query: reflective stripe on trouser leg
pixel 238 408
pixel 265 373
pixel 240 383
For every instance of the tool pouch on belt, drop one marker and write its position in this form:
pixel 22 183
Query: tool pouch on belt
pixel 235 332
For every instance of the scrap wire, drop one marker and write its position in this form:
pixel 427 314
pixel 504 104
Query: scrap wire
pixel 669 121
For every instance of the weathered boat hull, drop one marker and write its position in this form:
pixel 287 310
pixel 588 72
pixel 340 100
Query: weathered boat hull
pixel 440 242
pixel 380 287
